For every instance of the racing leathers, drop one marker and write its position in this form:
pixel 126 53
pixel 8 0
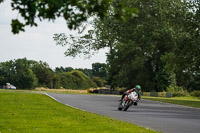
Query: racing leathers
pixel 131 90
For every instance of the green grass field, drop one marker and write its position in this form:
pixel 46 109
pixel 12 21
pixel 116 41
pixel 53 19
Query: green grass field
pixel 25 112
pixel 186 101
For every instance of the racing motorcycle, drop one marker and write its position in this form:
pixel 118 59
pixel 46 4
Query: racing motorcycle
pixel 128 100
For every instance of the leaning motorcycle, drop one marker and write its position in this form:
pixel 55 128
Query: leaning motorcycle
pixel 128 100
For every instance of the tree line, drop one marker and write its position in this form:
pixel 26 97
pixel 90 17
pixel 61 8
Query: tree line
pixel 28 74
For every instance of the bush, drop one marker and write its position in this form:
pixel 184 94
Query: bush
pixel 76 80
pixel 92 83
pixel 99 82
pixel 178 89
pixel 179 94
pixel 195 93
pixel 170 89
pixel 175 89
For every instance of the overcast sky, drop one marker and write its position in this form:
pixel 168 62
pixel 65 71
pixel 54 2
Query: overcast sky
pixel 36 43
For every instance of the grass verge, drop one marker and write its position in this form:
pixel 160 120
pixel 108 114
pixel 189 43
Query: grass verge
pixel 186 101
pixel 33 112
pixel 63 91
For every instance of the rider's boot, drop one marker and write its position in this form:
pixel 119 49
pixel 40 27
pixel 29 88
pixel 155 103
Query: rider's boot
pixel 135 104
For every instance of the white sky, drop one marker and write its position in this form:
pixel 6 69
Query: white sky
pixel 36 43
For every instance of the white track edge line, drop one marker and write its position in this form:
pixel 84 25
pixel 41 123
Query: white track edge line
pixel 63 103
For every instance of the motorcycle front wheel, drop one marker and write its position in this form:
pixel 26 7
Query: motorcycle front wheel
pixel 120 106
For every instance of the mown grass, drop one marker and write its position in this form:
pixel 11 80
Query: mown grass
pixel 186 101
pixel 63 91
pixel 23 112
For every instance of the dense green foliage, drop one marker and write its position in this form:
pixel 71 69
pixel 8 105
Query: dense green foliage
pixel 99 81
pixel 45 75
pixel 195 93
pixel 76 80
pixel 19 73
pixel 28 74
pixel 98 70
pixel 180 94
pixel 158 49
pixel 73 11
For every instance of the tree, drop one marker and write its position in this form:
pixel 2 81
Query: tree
pixel 102 35
pixel 68 69
pixel 59 69
pixel 74 11
pixel 45 75
pixel 99 70
pixel 157 49
pixel 25 77
pixel 86 71
pixel 62 69
pixel 6 72
pixel 19 73
pixel 161 40
pixel 28 74
pixel 99 81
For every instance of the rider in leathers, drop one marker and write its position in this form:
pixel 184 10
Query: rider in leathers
pixel 137 89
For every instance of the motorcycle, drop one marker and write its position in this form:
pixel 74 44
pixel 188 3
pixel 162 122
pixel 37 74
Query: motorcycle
pixel 128 100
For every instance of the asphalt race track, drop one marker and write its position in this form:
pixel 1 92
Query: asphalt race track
pixel 167 118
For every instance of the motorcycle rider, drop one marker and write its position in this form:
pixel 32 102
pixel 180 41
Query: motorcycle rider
pixel 137 89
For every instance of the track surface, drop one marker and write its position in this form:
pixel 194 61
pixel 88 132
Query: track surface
pixel 167 118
